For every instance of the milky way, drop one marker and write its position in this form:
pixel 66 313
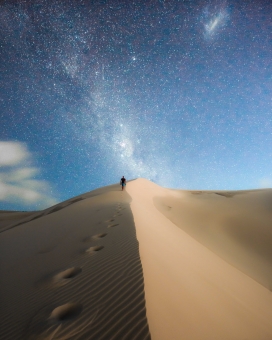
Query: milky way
pixel 178 92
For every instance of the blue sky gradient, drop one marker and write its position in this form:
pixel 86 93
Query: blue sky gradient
pixel 178 92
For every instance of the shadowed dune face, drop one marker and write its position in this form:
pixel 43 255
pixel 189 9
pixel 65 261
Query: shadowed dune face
pixel 11 217
pixel 62 206
pixel 234 225
pixel 31 216
pixel 73 271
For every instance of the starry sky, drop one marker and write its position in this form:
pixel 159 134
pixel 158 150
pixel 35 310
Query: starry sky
pixel 178 92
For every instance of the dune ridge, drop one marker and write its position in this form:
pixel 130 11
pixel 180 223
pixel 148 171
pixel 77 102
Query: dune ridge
pixel 10 217
pixel 147 263
pixel 74 273
pixel 234 225
pixel 191 291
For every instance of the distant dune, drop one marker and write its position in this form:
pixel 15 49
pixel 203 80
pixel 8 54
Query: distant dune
pixel 146 263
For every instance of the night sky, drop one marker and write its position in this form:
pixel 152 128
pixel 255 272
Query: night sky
pixel 178 92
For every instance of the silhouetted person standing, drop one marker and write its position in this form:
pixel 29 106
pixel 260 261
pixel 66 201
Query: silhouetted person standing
pixel 123 182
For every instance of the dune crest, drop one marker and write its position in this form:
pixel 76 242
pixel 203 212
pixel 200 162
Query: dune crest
pixel 190 265
pixel 191 291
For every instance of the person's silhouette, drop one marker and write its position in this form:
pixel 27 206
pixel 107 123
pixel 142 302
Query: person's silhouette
pixel 123 182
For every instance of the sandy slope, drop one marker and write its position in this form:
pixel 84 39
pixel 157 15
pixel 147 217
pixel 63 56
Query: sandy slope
pixel 204 256
pixel 10 217
pixel 73 271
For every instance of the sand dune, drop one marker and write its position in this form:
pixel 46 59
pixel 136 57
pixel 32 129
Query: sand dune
pixel 234 225
pixel 191 245
pixel 202 269
pixel 73 272
pixel 10 217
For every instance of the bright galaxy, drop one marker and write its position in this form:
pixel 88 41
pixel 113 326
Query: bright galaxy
pixel 178 92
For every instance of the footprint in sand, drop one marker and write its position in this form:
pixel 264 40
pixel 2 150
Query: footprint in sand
pixel 94 237
pixel 98 236
pixel 65 276
pixel 113 225
pixel 66 312
pixel 94 249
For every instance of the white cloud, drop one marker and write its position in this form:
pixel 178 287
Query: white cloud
pixel 11 153
pixel 18 184
pixel 19 174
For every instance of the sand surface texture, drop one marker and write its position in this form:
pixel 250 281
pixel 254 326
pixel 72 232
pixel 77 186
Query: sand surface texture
pixel 207 262
pixel 72 271
pixel 11 217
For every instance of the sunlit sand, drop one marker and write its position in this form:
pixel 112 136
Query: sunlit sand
pixel 148 262
pixel 207 261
